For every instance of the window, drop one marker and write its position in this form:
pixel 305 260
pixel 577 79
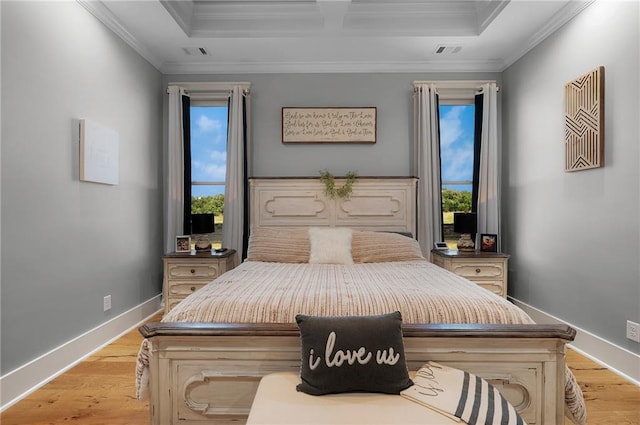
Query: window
pixel 209 161
pixel 456 161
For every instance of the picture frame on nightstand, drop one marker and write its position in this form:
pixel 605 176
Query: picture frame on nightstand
pixel 183 243
pixel 488 242
pixel 441 246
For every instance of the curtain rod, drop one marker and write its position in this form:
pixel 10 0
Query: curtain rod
pixel 203 86
pixel 456 84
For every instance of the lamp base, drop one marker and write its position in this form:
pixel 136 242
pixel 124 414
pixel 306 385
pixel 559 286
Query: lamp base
pixel 465 243
pixel 203 244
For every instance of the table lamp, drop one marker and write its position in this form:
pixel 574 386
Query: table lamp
pixel 202 225
pixel 466 225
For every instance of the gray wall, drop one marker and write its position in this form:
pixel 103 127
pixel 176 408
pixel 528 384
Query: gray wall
pixel 391 94
pixel 574 237
pixel 65 243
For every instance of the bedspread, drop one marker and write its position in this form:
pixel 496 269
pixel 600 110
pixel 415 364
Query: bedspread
pixel 258 292
pixel 263 292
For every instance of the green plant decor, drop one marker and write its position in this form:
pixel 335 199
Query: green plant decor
pixel 341 192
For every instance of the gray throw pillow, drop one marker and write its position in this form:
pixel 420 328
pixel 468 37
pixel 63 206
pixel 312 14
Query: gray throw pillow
pixel 352 354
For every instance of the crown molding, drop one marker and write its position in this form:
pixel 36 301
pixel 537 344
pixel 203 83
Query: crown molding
pixel 567 13
pixel 104 15
pixel 181 12
pixel 314 18
pixel 329 67
pixel 488 11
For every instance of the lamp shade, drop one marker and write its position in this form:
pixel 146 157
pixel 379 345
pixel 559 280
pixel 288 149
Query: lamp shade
pixel 465 222
pixel 202 223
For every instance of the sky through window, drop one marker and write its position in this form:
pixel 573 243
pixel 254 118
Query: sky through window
pixel 456 145
pixel 208 148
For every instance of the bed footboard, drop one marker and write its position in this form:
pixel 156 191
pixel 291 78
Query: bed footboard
pixel 204 373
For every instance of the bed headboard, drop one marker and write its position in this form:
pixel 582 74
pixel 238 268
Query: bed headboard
pixel 384 204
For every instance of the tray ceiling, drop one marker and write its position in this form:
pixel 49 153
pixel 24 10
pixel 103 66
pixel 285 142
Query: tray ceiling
pixel 262 36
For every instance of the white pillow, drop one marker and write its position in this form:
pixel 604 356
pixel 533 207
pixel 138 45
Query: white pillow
pixel 330 245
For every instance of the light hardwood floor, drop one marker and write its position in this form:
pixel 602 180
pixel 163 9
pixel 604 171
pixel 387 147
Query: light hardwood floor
pixel 101 391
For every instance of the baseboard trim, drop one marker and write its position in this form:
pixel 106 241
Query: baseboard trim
pixel 615 358
pixel 20 382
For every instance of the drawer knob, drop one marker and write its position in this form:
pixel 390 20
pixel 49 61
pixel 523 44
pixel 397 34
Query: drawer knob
pixel 193 271
pixel 477 270
pixel 193 289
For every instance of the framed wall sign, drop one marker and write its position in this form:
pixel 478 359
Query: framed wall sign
pixel 329 125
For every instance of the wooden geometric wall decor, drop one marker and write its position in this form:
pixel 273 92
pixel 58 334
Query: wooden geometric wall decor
pixel 584 121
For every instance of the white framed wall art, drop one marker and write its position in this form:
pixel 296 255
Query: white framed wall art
pixel 99 152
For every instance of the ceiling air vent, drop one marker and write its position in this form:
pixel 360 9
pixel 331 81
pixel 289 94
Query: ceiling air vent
pixel 194 51
pixel 449 50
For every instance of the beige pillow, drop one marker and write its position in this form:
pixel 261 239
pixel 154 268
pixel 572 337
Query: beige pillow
pixel 330 245
pixel 382 247
pixel 278 245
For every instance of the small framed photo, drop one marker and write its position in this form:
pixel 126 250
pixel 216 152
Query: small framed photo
pixel 440 246
pixel 183 243
pixel 488 242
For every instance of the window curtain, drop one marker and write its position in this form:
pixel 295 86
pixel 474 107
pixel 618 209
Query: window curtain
pixel 477 142
pixel 488 206
pixel 236 205
pixel 427 166
pixel 186 141
pixel 174 169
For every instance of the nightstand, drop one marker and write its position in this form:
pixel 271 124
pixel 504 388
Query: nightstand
pixel 487 269
pixel 184 273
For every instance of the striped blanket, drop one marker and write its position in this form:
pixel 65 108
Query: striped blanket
pixel 264 292
pixel 459 394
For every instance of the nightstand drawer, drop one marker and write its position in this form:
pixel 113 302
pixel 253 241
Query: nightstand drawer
pixel 193 270
pixel 497 287
pixel 172 302
pixel 486 269
pixel 182 289
pixel 478 270
pixel 185 273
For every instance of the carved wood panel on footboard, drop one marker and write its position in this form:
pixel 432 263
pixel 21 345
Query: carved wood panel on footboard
pixel 209 373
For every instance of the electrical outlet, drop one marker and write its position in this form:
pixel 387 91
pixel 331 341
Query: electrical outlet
pixel 633 331
pixel 107 303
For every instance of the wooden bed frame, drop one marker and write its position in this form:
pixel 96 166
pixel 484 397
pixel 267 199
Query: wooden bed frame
pixel 208 373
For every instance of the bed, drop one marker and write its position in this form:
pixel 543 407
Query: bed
pixel 203 362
